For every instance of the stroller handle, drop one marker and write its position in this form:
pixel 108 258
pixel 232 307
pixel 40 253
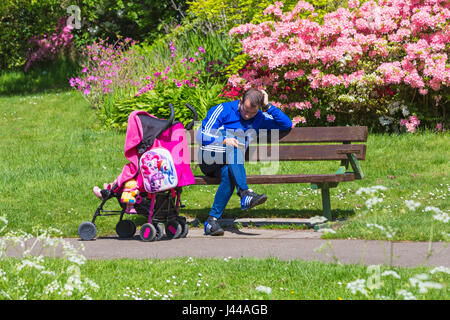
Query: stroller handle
pixel 172 114
pixel 191 124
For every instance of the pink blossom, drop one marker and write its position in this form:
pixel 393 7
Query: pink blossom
pixel 317 114
pixel 297 120
pixel 290 75
pixel 423 91
pixel 331 118
pixel 353 4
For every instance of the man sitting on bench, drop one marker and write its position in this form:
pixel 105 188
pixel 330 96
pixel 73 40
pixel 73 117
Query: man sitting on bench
pixel 222 148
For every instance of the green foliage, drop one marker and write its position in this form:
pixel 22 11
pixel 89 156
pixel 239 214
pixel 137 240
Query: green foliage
pixel 156 102
pixel 187 39
pixel 20 20
pixel 113 19
pixel 208 68
pixel 226 14
pixel 47 76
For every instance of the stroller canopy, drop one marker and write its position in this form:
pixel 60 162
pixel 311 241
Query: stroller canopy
pixel 143 131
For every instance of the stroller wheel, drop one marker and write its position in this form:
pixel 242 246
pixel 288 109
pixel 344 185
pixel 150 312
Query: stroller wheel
pixel 147 232
pixel 184 227
pixel 87 230
pixel 125 228
pixel 173 229
pixel 159 231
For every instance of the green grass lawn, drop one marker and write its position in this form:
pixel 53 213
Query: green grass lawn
pixel 53 152
pixel 199 279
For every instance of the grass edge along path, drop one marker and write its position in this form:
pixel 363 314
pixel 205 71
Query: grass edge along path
pixel 213 278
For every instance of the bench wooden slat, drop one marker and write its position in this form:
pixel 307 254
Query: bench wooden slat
pixel 314 135
pixel 325 134
pixel 299 152
pixel 284 178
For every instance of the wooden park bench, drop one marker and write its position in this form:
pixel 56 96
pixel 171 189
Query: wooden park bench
pixel 295 145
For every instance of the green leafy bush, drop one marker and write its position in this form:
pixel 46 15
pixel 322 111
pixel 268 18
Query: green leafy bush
pixel 225 14
pixel 156 102
pixel 110 19
pixel 184 67
pixel 20 20
pixel 114 19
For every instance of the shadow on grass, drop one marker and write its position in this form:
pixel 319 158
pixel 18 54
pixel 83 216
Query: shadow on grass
pixel 202 214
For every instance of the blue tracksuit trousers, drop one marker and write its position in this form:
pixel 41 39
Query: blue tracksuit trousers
pixel 231 171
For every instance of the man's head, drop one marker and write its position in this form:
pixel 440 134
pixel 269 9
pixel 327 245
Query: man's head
pixel 250 103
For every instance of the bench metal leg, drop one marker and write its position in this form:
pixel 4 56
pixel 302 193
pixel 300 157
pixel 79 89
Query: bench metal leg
pixel 326 205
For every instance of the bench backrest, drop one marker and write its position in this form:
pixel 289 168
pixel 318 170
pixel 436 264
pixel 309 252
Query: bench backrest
pixel 308 143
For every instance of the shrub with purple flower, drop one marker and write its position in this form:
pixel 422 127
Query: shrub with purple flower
pixel 108 68
pixel 49 47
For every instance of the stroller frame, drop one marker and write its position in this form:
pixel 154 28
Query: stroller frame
pixel 159 208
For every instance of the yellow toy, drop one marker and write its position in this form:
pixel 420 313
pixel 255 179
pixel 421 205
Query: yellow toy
pixel 129 194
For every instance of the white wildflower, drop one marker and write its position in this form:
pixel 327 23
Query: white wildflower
pixel 267 290
pixel 388 231
pixel 390 273
pixel 406 295
pixel 443 217
pixel 439 214
pixel 4 221
pixel 373 201
pixel 440 269
pixel 412 205
pixel 53 287
pixel 327 230
pixel 370 190
pixel 3 275
pixel 419 281
pixel 357 286
pixel 433 209
pixel 30 263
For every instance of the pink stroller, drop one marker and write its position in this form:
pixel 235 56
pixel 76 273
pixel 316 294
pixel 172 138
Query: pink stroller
pixel 159 196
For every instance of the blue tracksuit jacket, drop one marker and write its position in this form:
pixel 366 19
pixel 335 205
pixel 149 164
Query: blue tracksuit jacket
pixel 226 116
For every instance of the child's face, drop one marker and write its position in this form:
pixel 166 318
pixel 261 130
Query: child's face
pixel 246 110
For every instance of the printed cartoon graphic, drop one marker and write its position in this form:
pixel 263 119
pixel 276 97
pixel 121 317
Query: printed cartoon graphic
pixel 158 171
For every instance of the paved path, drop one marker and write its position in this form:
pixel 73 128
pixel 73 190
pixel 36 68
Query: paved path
pixel 262 243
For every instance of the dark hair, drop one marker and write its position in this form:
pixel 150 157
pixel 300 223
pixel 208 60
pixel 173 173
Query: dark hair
pixel 255 97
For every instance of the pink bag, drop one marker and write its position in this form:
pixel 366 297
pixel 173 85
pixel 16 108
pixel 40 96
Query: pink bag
pixel 158 170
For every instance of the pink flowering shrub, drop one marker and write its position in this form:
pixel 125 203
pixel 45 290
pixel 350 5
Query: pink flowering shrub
pixel 117 79
pixel 182 72
pixel 108 69
pixel 348 69
pixel 48 47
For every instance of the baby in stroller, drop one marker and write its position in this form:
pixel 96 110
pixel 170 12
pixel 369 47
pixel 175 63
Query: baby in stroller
pixel 151 183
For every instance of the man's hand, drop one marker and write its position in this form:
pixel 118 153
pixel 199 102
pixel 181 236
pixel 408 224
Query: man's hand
pixel 231 142
pixel 266 97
